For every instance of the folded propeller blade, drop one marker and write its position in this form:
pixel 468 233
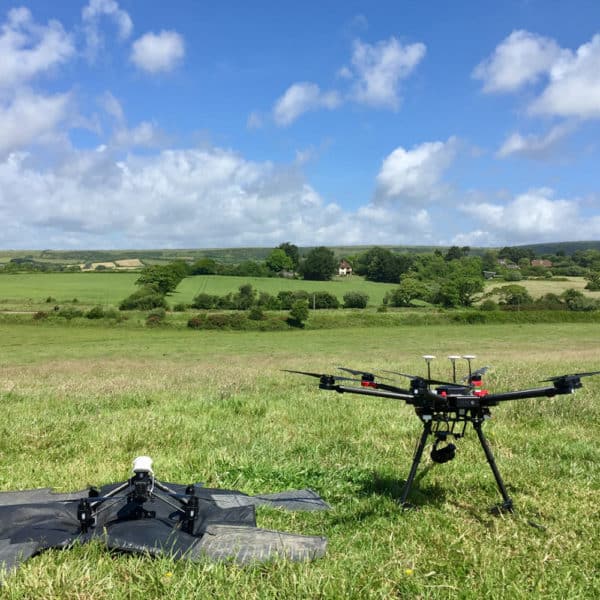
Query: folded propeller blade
pixel 362 373
pixel 559 377
pixel 320 375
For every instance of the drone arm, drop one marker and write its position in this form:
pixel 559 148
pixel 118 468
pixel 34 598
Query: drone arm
pixel 369 391
pixel 545 392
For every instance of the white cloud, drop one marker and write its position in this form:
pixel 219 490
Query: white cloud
pixel 535 146
pixel 521 58
pixel 300 98
pixel 182 198
pixel 415 175
pixel 30 118
pixel 574 87
pixel 28 49
pixel 570 80
pixel 534 216
pixel 379 69
pixel 158 52
pixel 145 134
pixel 93 13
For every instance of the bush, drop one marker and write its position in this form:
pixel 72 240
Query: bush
pixel 145 298
pixel 50 299
pixel 69 313
pixel 355 300
pixel 322 300
pixel 488 305
pixel 298 314
pixel 95 313
pixel 268 302
pixel 180 307
pixel 156 318
pixel 40 315
pixel 205 301
pixel 217 321
pixel 256 314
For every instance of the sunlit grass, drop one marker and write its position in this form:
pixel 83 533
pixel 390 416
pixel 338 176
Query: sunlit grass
pixel 79 403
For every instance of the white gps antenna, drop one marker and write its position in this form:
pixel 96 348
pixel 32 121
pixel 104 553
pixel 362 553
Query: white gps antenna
pixel 453 358
pixel 142 464
pixel 428 358
pixel 469 358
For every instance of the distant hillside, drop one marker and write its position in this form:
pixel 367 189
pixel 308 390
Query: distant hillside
pixel 567 247
pixel 237 255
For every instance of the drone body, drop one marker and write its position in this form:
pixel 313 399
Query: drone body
pixel 445 408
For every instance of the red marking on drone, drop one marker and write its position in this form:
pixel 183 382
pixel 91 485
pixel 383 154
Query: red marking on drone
pixel 370 384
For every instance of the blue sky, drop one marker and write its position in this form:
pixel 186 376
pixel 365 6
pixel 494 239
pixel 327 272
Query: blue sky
pixel 142 124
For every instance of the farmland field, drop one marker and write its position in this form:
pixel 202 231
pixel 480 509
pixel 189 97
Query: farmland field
pixel 79 403
pixel 30 291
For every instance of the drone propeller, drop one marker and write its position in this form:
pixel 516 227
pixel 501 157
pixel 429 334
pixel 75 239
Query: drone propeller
pixel 320 375
pixel 364 374
pixel 572 376
pixel 425 379
pixel 476 373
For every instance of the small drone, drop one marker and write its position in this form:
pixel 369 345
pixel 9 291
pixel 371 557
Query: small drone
pixel 445 408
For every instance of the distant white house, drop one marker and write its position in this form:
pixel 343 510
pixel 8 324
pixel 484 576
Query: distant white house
pixel 345 268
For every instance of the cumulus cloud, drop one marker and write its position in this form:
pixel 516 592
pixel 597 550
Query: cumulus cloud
pixel 182 198
pixel 570 80
pixel 521 58
pixel 380 68
pixel 415 175
pixel 93 13
pixel 574 86
pixel 300 98
pixel 30 118
pixel 535 146
pixel 534 216
pixel 28 49
pixel 156 52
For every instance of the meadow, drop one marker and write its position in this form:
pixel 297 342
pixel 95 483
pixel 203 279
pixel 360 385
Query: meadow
pixel 80 402
pixel 29 291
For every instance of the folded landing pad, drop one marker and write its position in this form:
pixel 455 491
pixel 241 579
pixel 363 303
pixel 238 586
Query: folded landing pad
pixel 223 526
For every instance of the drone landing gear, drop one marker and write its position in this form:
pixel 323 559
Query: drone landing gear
pixel 447 453
pixel 135 493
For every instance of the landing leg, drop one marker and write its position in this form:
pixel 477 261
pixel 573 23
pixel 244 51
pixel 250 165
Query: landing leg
pixel 507 505
pixel 415 464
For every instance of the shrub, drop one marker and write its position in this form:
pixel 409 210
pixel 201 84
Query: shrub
pixel 488 305
pixel 95 313
pixel 180 307
pixel 268 302
pixel 298 314
pixel 40 315
pixel 256 314
pixel 156 318
pixel 50 299
pixel 355 300
pixel 145 298
pixel 205 301
pixel 69 313
pixel 321 300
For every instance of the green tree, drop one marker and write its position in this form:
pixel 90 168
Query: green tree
pixel 409 289
pixel 593 283
pixel 298 313
pixel 278 261
pixel 293 253
pixel 382 265
pixel 164 279
pixel 513 295
pixel 319 265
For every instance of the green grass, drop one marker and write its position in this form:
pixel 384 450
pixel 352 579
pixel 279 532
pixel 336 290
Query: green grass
pixel 29 291
pixel 79 403
pixel 541 287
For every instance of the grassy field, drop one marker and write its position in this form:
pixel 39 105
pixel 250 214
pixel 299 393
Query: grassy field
pixel 30 291
pixel 80 403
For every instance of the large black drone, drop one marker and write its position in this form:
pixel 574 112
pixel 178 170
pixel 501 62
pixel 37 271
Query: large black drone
pixel 446 408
